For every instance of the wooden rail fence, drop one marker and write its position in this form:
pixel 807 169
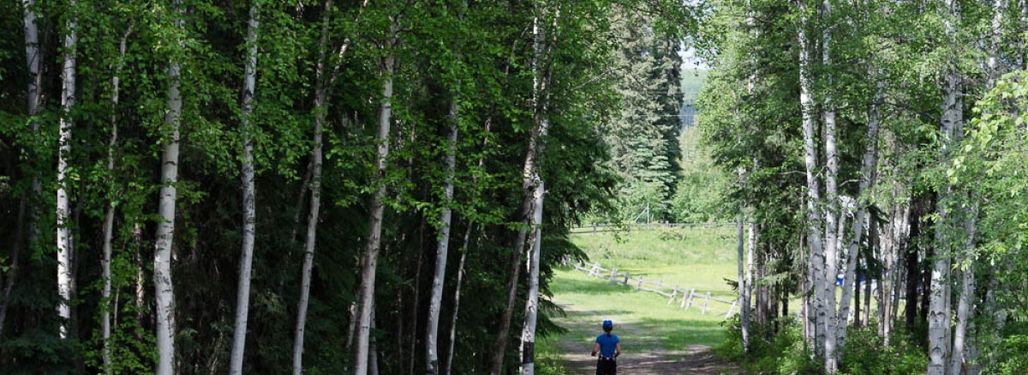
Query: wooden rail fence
pixel 600 228
pixel 687 297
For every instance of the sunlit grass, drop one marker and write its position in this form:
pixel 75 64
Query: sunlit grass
pixel 663 325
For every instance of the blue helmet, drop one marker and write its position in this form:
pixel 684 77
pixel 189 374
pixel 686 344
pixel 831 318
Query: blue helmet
pixel 607 325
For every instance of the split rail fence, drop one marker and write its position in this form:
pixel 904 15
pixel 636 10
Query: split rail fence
pixel 686 297
pixel 600 228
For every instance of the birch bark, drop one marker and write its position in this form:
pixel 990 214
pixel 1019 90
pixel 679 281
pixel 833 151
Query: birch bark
pixel 442 247
pixel 831 202
pixel 32 61
pixel 320 109
pixel 249 194
pixel 164 288
pixel 64 246
pixel 108 228
pixel 463 258
pixel 529 181
pixel 868 165
pixel 964 300
pixel 950 128
pixel 370 264
pixel 532 305
pixel 814 228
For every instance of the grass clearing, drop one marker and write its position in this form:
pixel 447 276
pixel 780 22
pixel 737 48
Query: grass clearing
pixel 699 258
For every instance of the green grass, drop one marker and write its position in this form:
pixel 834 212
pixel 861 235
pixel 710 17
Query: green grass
pixel 663 325
pixel 699 258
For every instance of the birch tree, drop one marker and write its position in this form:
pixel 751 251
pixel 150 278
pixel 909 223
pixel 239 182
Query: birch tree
pixel 813 196
pixel 108 228
pixel 249 193
pixel 532 305
pixel 164 288
pixel 442 246
pixel 939 315
pixel 831 199
pixel 530 179
pixel 65 284
pixel 33 96
pixel 373 244
pixel 321 92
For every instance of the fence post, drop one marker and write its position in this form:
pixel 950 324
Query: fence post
pixel 687 302
pixel 626 278
pixel 706 302
pixel 673 294
pixel 613 273
pixel 640 285
pixel 729 313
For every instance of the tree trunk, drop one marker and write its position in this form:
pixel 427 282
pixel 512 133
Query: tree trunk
pixel 872 245
pixel 939 310
pixel 65 284
pixel 814 228
pixel 744 303
pixel 831 205
pixel 164 288
pixel 913 272
pixel 868 166
pixel 530 175
pixel 456 300
pixel 445 217
pixel 532 305
pixel 965 298
pixel 367 291
pixel 32 61
pixel 373 350
pixel 856 300
pixel 108 228
pixel 463 257
pixel 939 314
pixel 249 195
pixel 313 215
pixel 34 96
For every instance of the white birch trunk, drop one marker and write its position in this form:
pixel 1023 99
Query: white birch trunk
pixel 939 305
pixel 456 301
pixel 320 106
pixel 814 228
pixel 529 181
pixel 32 58
pixel 249 195
pixel 34 93
pixel 869 163
pixel 965 299
pixel 164 288
pixel 108 228
pixel 831 204
pixel 64 249
pixel 532 305
pixel 463 258
pixel 442 247
pixel 367 290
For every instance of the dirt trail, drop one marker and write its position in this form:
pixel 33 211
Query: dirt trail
pixel 646 356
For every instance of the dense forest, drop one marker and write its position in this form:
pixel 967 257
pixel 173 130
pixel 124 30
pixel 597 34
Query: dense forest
pixel 365 187
pixel 195 186
pixel 877 151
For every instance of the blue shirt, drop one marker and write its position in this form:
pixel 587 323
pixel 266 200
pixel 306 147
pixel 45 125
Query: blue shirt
pixel 608 344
